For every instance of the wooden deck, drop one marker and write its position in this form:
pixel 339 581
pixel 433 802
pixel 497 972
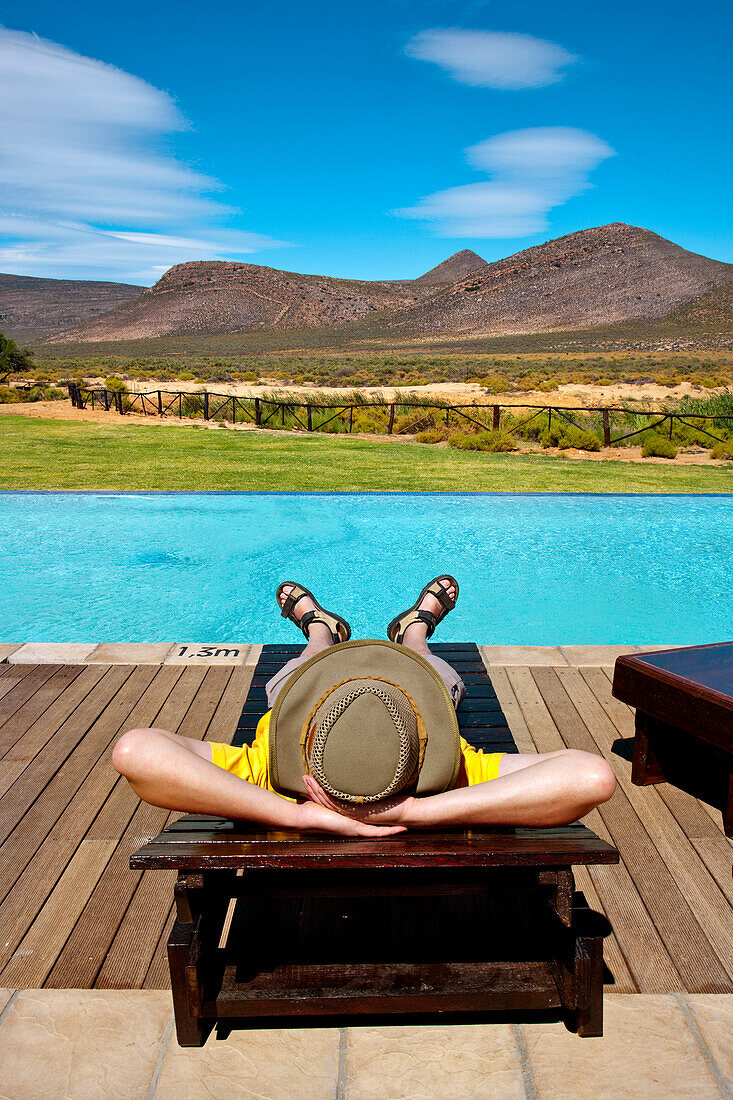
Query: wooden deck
pixel 72 914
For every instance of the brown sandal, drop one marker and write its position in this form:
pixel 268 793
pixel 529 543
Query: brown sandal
pixel 396 629
pixel 287 610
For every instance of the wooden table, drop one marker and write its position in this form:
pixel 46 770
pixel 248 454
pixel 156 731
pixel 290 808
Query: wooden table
pixel 272 925
pixel 684 714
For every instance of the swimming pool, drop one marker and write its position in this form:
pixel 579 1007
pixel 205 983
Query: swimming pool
pixel 539 569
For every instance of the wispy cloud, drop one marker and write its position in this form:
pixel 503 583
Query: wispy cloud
pixel 492 59
pixel 85 188
pixel 532 171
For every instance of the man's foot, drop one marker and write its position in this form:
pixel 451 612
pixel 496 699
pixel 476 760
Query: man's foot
pixel 415 626
pixel 317 633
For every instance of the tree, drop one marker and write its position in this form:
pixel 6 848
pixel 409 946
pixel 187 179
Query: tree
pixel 13 360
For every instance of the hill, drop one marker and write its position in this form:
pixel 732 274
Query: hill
pixel 608 276
pixel 595 277
pixel 456 267
pixel 33 308
pixel 219 296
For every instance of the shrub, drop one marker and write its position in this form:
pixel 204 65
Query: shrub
pixel 8 395
pixel 656 446
pixel 115 384
pixel 565 436
pixel 482 441
pixel 723 449
pixel 433 435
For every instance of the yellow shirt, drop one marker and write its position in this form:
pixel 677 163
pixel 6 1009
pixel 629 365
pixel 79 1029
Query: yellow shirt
pixel 250 762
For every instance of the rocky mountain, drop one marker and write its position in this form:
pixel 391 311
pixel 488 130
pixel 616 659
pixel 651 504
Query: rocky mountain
pixel 597 276
pixel 32 308
pixel 456 267
pixel 218 296
pixel 594 277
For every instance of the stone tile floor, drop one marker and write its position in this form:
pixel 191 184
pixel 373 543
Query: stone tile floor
pixel 71 1044
pixel 238 653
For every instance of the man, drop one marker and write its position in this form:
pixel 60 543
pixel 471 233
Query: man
pixel 401 766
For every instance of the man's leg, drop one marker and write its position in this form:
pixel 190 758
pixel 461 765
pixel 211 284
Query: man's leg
pixel 416 639
pixel 319 638
pixel 178 773
pixel 532 789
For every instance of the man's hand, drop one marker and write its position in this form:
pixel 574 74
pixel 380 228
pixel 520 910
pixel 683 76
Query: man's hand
pixel 313 817
pixel 388 811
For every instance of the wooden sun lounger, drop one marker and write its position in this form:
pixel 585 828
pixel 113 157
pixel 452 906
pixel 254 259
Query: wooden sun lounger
pixel 461 921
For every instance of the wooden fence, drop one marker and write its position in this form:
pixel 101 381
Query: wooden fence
pixel 263 411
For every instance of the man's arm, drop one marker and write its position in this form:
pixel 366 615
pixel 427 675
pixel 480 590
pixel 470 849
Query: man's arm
pixel 164 771
pixel 543 790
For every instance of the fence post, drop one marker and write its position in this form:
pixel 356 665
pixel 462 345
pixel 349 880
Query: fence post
pixel 606 429
pixel 234 409
pixel 671 424
pixel 310 421
pixel 206 404
pixel 282 412
pixel 496 421
pixel 391 420
pixel 351 419
pixel 258 412
pixel 160 403
pixel 106 400
pixel 549 419
pixel 180 406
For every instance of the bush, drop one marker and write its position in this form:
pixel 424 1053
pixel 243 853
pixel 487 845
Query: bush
pixel 656 446
pixel 433 435
pixel 482 441
pixel 723 449
pixel 114 384
pixel 8 395
pixel 565 436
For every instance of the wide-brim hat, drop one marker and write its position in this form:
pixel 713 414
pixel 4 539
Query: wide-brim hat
pixel 367 719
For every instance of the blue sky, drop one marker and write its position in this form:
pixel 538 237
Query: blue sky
pixel 361 141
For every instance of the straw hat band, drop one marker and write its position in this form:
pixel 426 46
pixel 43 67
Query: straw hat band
pixel 338 734
pixel 366 739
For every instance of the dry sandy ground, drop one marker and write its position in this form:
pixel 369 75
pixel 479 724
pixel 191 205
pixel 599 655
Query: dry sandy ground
pixel 61 410
pixel 567 395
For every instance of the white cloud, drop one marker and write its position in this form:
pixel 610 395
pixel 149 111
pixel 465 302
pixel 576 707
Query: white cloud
pixel 492 59
pixel 84 187
pixel 532 171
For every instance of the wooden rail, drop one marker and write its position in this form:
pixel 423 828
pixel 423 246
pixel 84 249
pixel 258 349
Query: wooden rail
pixel 262 411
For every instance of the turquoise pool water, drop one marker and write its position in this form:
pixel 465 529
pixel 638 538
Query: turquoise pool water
pixel 540 569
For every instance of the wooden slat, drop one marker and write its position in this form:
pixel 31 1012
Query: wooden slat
pixel 692 818
pixel 25 686
pixel 24 792
pixel 37 736
pixel 623 979
pixel 15 726
pixel 129 955
pixel 712 910
pixel 83 954
pixel 694 956
pixel 72 799
pixel 158 976
pixel 641 944
pixel 87 901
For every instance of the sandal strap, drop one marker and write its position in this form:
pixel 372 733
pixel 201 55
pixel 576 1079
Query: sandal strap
pixel 316 617
pixel 427 617
pixel 290 601
pixel 441 594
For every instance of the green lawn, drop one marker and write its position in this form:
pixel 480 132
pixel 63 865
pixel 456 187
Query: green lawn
pixel 53 454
